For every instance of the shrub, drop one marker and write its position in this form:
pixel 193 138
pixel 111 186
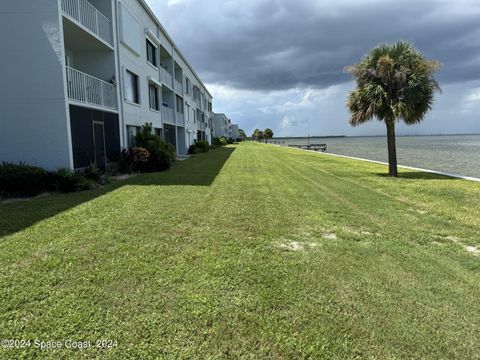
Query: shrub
pixel 22 180
pixel 219 141
pixel 92 173
pixel 132 159
pixel 192 149
pixel 199 147
pixel 161 154
pixel 68 181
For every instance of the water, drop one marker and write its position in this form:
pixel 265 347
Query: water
pixel 454 154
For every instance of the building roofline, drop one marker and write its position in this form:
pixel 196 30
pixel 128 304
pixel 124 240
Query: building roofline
pixel 169 38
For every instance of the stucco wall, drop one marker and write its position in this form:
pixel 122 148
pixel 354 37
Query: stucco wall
pixel 33 114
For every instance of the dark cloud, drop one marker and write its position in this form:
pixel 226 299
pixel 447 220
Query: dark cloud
pixel 280 44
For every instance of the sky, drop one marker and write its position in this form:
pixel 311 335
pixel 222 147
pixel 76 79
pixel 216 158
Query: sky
pixel 280 63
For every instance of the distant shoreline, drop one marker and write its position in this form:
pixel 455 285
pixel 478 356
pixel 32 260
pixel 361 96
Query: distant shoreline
pixel 363 136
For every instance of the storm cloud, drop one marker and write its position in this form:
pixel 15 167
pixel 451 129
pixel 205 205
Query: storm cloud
pixel 284 50
pixel 280 44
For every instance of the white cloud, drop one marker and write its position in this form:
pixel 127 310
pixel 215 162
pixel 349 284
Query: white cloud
pixel 306 99
pixel 286 122
pixel 474 95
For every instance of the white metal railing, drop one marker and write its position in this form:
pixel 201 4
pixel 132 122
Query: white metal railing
pixel 180 119
pixel 166 77
pixel 87 89
pixel 167 115
pixel 87 15
pixel 178 87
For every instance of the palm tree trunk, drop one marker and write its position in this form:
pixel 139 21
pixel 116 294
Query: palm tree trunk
pixel 392 149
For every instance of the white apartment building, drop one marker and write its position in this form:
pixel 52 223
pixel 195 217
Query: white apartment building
pixel 235 134
pixel 81 76
pixel 222 126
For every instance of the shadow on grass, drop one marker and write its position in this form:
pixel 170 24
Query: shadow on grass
pixel 200 170
pixel 418 175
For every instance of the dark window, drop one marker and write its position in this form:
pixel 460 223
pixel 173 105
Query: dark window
pixel 131 87
pixel 153 96
pixel 187 85
pixel 131 134
pixel 179 105
pixel 151 53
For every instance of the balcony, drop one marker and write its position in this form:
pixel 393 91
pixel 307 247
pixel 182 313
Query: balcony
pixel 178 87
pixel 87 15
pixel 180 119
pixel 87 89
pixel 166 78
pixel 167 115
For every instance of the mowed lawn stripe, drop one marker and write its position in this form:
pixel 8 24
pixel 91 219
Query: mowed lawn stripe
pixel 252 251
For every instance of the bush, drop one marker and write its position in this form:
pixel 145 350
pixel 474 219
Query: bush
pixel 23 180
pixel 92 173
pixel 219 141
pixel 204 146
pixel 132 159
pixel 199 147
pixel 69 181
pixel 162 155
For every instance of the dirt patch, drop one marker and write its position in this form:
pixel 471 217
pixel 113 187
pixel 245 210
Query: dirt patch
pixel 329 236
pixel 418 211
pixel 469 248
pixel 454 239
pixel 297 246
pixel 473 250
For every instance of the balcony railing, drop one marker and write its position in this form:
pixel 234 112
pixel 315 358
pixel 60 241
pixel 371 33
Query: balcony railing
pixel 87 15
pixel 178 87
pixel 180 119
pixel 167 115
pixel 166 77
pixel 87 89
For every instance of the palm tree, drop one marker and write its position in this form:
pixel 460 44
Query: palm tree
pixel 267 134
pixel 255 134
pixel 393 82
pixel 260 135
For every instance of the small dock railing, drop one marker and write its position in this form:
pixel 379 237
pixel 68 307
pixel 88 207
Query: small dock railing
pixel 312 147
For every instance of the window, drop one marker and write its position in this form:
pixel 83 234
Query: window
pixel 132 133
pixel 187 85
pixel 153 97
pixel 196 93
pixel 151 53
pixel 188 112
pixel 131 87
pixel 179 105
pixel 210 106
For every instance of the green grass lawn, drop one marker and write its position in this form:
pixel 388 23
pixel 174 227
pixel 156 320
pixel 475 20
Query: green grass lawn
pixel 251 251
